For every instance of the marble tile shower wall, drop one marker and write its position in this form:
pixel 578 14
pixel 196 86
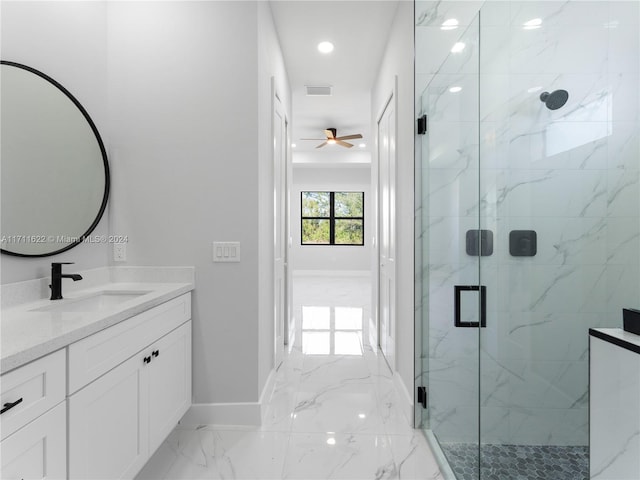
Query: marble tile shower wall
pixel 572 175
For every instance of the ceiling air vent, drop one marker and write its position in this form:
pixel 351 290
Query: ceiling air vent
pixel 318 90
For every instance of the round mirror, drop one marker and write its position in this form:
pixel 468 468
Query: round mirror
pixel 55 174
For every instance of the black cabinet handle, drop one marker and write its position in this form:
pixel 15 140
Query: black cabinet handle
pixel 146 359
pixel 155 353
pixel 9 406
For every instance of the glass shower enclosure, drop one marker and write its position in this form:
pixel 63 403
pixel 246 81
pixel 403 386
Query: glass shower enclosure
pixel 527 221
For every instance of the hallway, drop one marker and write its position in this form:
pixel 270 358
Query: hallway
pixel 332 413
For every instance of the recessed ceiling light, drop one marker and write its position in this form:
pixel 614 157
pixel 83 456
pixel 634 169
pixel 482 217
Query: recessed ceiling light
pixel 325 47
pixel 455 89
pixel 450 24
pixel 458 47
pixel 293 145
pixel 362 145
pixel 331 441
pixel 532 24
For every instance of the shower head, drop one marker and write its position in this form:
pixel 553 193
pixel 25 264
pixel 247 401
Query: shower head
pixel 554 100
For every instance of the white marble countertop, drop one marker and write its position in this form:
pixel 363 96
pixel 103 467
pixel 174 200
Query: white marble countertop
pixel 27 334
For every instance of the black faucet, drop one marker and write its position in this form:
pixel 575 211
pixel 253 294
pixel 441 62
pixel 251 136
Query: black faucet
pixel 56 279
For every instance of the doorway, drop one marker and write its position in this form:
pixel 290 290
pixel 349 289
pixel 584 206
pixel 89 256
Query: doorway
pixel 386 131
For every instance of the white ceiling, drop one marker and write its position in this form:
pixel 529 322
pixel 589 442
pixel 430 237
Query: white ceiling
pixel 359 30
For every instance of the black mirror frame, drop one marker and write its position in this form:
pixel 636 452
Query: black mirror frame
pixel 107 178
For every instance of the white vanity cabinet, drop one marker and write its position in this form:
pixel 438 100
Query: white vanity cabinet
pixel 39 449
pixel 129 385
pixel 34 435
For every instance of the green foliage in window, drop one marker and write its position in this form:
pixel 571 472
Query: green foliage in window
pixel 349 232
pixel 315 232
pixel 332 218
pixel 348 204
pixel 316 204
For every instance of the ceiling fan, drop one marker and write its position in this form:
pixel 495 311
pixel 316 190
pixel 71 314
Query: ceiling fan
pixel 332 139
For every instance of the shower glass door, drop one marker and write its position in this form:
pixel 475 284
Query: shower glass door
pixel 453 243
pixel 528 178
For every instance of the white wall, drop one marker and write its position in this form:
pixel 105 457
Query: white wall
pixel 270 66
pixel 186 134
pixel 181 92
pixel 346 177
pixel 67 41
pixel 398 61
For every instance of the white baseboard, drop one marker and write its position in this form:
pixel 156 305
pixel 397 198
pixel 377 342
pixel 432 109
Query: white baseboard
pixel 266 392
pixel 405 399
pixel 332 273
pixel 242 413
pixel 248 413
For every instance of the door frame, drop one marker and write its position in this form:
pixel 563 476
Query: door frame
pixel 289 324
pixel 278 350
pixel 374 330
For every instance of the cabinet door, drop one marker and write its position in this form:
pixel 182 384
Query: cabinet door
pixel 108 430
pixel 38 450
pixel 169 383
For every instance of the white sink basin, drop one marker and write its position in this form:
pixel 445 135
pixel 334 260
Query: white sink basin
pixel 91 303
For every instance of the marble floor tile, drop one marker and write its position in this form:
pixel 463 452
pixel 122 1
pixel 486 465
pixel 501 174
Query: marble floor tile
pixel 330 369
pixel 330 415
pixel 344 408
pixel 210 453
pixel 339 456
pixel 278 414
pixel 394 420
pixel 413 458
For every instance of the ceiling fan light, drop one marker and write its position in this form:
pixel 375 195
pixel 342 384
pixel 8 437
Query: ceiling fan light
pixel 331 141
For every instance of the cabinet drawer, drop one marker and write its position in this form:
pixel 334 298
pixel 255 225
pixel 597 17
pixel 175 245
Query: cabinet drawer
pixel 36 387
pixel 93 356
pixel 39 450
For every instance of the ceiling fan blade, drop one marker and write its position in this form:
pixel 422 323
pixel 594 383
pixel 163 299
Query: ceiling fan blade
pixel 349 137
pixel 344 144
pixel 321 145
pixel 329 133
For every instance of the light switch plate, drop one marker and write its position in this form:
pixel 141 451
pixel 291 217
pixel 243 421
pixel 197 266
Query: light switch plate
pixel 226 251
